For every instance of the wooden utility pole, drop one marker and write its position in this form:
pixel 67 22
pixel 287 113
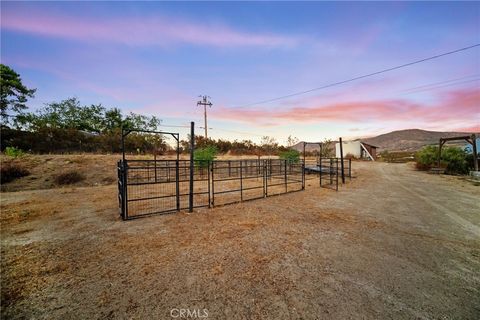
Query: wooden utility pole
pixel 204 102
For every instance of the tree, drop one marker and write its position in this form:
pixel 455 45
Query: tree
pixel 113 120
pixel 292 156
pixel 70 114
pixel 14 94
pixel 66 114
pixel 204 155
pixel 268 144
pixel 453 159
pixel 291 141
pixel 327 149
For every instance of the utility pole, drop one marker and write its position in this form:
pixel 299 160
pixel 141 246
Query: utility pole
pixel 205 102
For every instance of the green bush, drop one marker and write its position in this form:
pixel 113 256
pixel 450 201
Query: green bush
pixel 426 158
pixel 292 156
pixel 204 155
pixel 456 160
pixel 453 159
pixel 13 152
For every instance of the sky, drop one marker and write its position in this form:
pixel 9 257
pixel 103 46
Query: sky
pixel 156 58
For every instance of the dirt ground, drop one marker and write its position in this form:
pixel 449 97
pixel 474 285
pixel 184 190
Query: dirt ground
pixel 392 244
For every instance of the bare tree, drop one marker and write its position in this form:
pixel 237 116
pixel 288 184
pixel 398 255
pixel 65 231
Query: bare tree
pixel 291 141
pixel 327 149
pixel 268 144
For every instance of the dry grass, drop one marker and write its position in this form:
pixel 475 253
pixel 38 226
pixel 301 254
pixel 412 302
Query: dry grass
pixel 69 177
pixel 98 169
pixel 315 254
pixel 11 171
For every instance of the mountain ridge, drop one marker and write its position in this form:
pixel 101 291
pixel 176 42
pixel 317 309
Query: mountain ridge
pixel 401 140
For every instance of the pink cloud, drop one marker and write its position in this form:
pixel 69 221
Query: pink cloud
pixel 473 129
pixel 138 32
pixel 454 106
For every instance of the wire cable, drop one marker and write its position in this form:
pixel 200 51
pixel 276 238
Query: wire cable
pixel 441 86
pixel 239 132
pixel 439 83
pixel 174 126
pixel 360 77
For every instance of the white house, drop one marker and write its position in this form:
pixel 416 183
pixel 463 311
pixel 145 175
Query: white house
pixel 357 149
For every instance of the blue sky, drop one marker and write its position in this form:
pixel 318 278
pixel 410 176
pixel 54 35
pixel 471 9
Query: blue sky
pixel 156 58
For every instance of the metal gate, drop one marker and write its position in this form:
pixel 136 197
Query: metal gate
pixel 159 186
pixel 329 170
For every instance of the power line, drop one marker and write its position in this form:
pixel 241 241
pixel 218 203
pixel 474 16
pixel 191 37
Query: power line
pixel 438 83
pixel 239 132
pixel 442 86
pixel 174 126
pixel 360 77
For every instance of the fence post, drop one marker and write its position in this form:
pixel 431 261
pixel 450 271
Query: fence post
pixel 303 175
pixel 241 182
pixel 337 175
pixel 177 175
pixel 350 168
pixel 213 184
pixel 331 171
pixel 265 183
pixel 192 168
pixel 125 190
pixel 341 159
pixel 285 173
pixel 208 174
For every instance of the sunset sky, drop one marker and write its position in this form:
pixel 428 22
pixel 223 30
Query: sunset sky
pixel 156 58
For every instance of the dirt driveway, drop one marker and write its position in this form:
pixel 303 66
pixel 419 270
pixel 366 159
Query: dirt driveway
pixel 392 244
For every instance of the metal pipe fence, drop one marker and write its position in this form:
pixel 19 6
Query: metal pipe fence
pixel 147 187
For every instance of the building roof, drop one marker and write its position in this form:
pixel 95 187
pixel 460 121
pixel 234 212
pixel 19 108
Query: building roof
pixel 367 144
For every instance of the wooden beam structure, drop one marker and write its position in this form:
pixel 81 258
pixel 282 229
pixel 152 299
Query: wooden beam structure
pixel 470 139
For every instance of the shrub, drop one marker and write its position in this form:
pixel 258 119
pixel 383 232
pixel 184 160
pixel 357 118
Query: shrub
pixel 202 156
pixel 453 159
pixel 69 177
pixel 456 160
pixel 13 152
pixel 426 158
pixel 292 156
pixel 10 172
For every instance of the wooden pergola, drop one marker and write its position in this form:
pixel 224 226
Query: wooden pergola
pixel 470 139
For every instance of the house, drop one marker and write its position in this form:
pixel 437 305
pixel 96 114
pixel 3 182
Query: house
pixel 357 149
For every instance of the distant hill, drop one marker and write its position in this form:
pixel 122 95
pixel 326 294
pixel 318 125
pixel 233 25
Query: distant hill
pixel 410 139
pixel 402 140
pixel 312 147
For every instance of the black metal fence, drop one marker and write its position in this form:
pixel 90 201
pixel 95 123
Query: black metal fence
pixel 147 187
pixel 240 180
pixel 327 171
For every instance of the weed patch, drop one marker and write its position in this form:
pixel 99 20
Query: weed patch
pixel 69 177
pixel 11 171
